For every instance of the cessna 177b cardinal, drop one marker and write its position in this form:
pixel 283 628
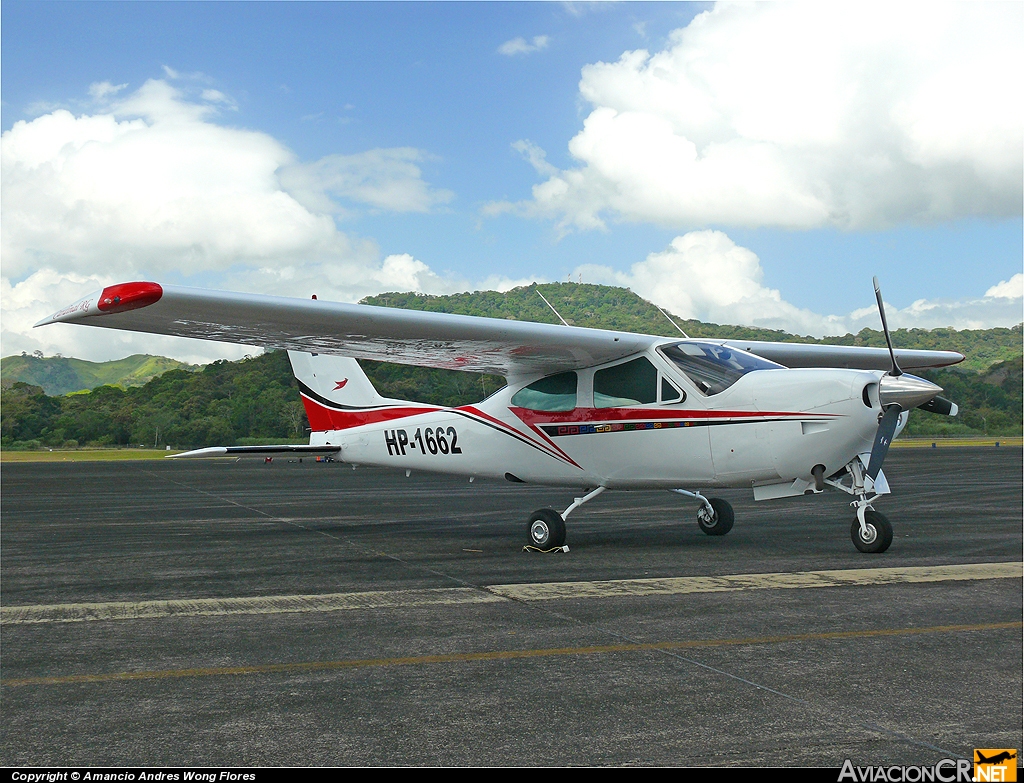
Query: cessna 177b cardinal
pixel 584 408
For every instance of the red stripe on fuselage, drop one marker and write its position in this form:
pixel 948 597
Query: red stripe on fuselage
pixel 546 443
pixel 322 418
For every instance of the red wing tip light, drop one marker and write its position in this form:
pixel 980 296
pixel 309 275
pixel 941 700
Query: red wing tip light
pixel 118 298
pixel 129 296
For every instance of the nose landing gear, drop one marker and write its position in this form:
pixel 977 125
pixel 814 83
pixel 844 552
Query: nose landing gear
pixel 871 531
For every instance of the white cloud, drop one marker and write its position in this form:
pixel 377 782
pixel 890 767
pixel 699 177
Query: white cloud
pixel 803 115
pixel 216 96
pixel 386 179
pixel 522 46
pixel 1008 289
pixel 535 155
pixel 705 275
pixel 100 91
pixel 35 297
pixel 153 189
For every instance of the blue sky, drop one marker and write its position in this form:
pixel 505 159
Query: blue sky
pixel 406 132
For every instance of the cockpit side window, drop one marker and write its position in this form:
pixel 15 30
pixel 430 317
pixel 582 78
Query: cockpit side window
pixel 631 383
pixel 714 368
pixel 670 393
pixel 554 393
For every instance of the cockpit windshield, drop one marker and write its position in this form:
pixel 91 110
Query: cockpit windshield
pixel 714 368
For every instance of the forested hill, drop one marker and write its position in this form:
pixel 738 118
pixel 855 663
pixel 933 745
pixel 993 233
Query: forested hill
pixel 61 375
pixel 607 307
pixel 257 400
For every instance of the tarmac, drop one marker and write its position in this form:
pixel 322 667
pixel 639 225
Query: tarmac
pixel 235 613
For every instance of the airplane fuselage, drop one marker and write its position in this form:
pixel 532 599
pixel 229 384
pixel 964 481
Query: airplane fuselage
pixel 770 427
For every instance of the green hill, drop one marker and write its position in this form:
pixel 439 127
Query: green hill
pixel 61 375
pixel 257 400
pixel 607 307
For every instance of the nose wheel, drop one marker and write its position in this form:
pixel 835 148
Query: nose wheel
pixel 874 534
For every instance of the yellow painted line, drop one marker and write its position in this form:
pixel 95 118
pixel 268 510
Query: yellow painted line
pixel 214 607
pixel 720 584
pixel 926 443
pixel 496 655
pixel 283 604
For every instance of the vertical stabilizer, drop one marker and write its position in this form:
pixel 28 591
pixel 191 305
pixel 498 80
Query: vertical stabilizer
pixel 336 392
pixel 334 379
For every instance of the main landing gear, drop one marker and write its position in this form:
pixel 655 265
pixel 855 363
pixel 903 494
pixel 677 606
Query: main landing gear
pixel 546 529
pixel 715 516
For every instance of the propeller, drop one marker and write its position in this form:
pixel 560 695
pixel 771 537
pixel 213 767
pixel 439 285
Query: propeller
pixel 898 392
pixel 895 371
pixel 883 437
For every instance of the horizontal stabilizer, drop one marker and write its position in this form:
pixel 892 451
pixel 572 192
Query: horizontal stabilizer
pixel 263 451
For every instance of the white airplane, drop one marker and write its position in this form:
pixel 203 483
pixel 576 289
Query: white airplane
pixel 583 408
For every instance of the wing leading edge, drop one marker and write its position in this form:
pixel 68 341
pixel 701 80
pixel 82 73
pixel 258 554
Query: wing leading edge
pixel 854 357
pixel 514 349
pixel 455 342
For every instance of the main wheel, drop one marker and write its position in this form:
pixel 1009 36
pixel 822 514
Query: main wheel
pixel 876 538
pixel 546 529
pixel 719 523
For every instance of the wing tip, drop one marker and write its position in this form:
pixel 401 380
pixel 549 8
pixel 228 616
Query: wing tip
pixel 118 298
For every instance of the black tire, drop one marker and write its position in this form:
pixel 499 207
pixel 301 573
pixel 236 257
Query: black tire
pixel 546 529
pixel 722 521
pixel 879 533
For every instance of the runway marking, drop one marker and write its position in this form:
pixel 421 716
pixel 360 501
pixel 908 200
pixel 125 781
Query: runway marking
pixel 213 607
pixel 778 581
pixel 497 655
pixel 616 588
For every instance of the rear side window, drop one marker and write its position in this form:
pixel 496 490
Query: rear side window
pixel 554 393
pixel 632 383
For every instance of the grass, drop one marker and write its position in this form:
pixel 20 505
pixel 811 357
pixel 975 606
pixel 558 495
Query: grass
pixel 83 455
pixel 105 455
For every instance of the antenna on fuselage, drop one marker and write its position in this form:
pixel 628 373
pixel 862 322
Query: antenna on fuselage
pixel 551 306
pixel 684 334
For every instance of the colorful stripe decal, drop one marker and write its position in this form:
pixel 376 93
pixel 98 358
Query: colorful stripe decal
pixel 603 415
pixel 561 430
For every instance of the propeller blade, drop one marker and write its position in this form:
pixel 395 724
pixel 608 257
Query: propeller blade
pixel 941 406
pixel 885 328
pixel 883 437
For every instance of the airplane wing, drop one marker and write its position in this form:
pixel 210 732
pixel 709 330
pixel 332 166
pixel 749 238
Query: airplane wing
pixel 455 342
pixel 851 356
pixel 514 349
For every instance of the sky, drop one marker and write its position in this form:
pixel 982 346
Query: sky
pixel 752 164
